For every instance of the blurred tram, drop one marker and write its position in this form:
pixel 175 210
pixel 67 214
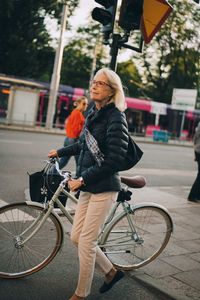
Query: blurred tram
pixel 143 115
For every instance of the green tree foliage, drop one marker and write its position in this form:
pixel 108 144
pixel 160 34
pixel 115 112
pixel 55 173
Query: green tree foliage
pixel 76 65
pixel 171 59
pixel 81 55
pixel 25 43
pixel 131 79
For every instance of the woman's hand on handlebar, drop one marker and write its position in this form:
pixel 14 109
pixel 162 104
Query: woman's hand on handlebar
pixel 53 153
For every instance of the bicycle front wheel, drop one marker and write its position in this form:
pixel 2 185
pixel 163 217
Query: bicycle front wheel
pixel 18 259
pixel 135 239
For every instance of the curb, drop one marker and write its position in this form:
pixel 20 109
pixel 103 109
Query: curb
pixel 154 284
pixel 33 129
pixel 62 132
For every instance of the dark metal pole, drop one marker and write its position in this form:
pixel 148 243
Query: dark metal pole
pixel 114 51
pixel 134 48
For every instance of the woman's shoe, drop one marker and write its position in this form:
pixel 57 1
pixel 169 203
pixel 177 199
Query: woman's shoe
pixel 108 285
pixel 194 200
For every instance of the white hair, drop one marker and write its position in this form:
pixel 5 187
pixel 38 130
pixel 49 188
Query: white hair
pixel 115 82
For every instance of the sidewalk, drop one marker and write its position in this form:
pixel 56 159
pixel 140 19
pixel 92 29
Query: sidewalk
pixel 176 271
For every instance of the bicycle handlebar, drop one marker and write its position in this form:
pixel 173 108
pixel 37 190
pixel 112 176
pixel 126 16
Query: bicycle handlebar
pixel 55 161
pixel 136 181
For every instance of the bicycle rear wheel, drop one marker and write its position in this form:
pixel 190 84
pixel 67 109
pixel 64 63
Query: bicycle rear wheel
pixel 135 240
pixel 21 260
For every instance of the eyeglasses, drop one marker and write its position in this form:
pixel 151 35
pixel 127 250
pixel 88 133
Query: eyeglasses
pixel 100 83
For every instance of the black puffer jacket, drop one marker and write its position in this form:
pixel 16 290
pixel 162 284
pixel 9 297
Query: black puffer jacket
pixel 109 128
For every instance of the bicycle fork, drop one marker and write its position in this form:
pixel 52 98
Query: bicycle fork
pixel 40 220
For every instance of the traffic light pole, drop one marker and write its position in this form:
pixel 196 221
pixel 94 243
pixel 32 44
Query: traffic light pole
pixel 114 51
pixel 117 43
pixel 135 48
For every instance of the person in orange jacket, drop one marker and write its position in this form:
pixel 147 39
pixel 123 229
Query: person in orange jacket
pixel 73 127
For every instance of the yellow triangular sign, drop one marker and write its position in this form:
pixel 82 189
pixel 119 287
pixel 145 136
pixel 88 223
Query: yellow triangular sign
pixel 155 12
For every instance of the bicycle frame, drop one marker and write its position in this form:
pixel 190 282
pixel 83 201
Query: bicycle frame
pixel 111 218
pixel 48 209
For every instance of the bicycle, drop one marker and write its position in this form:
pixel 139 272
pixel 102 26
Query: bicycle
pixel 31 234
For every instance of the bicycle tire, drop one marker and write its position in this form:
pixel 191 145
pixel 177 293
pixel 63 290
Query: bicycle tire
pixel 129 251
pixel 19 261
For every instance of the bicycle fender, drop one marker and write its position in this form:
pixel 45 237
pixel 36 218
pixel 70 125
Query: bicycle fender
pixel 153 204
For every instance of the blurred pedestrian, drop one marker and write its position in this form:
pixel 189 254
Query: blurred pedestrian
pixel 194 194
pixel 102 146
pixel 73 127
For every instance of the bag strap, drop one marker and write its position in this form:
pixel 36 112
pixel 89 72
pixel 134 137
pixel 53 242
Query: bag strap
pixel 93 147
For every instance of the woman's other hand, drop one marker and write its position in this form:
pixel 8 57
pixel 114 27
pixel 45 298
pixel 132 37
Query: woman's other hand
pixel 53 153
pixel 74 184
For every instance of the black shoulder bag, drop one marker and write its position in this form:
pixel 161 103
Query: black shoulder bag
pixel 133 155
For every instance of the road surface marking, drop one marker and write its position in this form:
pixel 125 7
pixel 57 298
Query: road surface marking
pixel 164 172
pixel 16 142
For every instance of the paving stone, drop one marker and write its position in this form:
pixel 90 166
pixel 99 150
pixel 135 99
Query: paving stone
pixel 191 278
pixel 159 269
pixel 181 233
pixel 173 248
pixel 192 246
pixel 179 288
pixel 195 256
pixel 182 262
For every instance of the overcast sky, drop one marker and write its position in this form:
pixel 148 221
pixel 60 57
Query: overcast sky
pixel 80 18
pixel 82 12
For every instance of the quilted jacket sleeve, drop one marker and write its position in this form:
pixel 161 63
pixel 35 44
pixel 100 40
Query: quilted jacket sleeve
pixel 73 149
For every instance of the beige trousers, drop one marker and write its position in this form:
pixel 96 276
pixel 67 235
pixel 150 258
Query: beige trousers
pixel 90 215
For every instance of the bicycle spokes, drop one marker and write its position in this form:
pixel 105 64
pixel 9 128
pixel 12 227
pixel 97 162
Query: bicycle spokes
pixel 137 237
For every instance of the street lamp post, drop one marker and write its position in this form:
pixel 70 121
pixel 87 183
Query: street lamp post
pixel 55 79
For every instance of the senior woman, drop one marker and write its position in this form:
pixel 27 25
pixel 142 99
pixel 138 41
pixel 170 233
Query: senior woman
pixel 102 148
